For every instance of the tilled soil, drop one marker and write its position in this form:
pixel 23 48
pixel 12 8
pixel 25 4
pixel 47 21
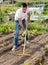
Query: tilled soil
pixel 46 61
pixel 34 48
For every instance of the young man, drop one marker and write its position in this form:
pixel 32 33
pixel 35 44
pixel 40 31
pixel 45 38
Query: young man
pixel 20 16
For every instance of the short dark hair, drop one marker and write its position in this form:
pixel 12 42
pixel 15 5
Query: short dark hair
pixel 24 5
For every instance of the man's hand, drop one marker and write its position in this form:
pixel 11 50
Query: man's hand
pixel 25 32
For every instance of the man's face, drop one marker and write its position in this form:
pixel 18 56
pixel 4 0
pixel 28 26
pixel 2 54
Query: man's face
pixel 24 9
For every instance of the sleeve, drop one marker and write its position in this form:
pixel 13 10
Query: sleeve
pixel 18 14
pixel 28 10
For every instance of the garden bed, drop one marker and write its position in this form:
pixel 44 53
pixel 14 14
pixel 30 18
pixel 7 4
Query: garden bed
pixel 35 48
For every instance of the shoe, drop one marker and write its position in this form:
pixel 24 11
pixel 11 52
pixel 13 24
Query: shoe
pixel 14 47
pixel 27 42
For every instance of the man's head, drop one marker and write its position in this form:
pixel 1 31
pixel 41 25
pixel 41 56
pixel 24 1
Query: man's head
pixel 24 7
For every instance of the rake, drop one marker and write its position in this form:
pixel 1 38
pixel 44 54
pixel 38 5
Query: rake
pixel 24 54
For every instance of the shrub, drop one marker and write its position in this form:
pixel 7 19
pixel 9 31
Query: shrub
pixel 18 4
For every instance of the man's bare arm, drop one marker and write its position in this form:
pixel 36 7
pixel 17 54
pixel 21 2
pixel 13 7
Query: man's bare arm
pixel 28 18
pixel 21 25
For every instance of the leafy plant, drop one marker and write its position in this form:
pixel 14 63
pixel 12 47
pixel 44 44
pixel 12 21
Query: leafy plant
pixel 36 59
pixel 26 63
pixel 4 28
pixel 2 17
pixel 46 47
pixel 8 9
pixel 38 26
pixel 18 4
pixel 40 63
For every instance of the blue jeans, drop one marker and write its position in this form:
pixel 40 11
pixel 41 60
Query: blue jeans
pixel 16 31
